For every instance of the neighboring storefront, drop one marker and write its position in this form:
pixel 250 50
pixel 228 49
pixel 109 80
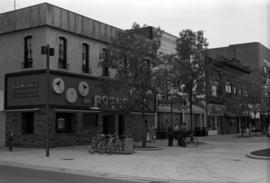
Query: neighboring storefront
pixel 79 109
pixel 178 115
pixel 215 122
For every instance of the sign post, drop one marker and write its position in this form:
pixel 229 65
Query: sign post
pixel 46 50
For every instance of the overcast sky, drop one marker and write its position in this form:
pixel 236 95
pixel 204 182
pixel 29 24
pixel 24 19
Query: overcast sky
pixel 223 21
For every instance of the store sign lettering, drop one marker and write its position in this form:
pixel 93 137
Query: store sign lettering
pixel 28 85
pixel 25 89
pixel 110 102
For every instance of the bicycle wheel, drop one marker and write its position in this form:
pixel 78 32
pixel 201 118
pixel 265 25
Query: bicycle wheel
pixel 101 148
pixel 117 147
pixel 91 150
pixel 109 148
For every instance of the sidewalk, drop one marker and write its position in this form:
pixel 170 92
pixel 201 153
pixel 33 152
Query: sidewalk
pixel 221 159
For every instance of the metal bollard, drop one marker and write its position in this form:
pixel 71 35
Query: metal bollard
pixel 10 140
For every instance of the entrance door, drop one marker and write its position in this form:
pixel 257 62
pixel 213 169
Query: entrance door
pixel 121 126
pixel 108 124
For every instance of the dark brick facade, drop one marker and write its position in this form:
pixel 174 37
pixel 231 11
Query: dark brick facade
pixel 219 72
pixel 134 126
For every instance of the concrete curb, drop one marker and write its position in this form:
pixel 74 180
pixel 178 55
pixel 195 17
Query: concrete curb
pixel 257 157
pixel 106 174
pixel 148 148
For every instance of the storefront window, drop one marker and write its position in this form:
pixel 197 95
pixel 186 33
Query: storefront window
pixel 63 123
pixel 90 120
pixel 27 123
pixel 211 124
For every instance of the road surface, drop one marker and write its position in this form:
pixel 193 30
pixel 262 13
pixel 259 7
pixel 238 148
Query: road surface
pixel 9 174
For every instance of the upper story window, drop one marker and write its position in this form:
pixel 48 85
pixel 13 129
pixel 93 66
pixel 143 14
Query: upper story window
pixel 105 56
pixel 85 58
pixel 235 90
pixel 28 56
pixel 214 90
pixel 147 64
pixel 62 61
pixel 228 87
pixel 245 92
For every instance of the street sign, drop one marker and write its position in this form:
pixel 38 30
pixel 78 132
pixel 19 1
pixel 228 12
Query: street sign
pixel 44 51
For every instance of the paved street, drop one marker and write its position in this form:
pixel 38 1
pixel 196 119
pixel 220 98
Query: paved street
pixel 9 174
pixel 221 159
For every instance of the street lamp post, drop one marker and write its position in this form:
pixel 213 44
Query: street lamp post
pixel 46 50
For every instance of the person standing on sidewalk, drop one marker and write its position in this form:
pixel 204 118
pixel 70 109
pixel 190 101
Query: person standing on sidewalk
pixel 182 135
pixel 170 135
pixel 268 131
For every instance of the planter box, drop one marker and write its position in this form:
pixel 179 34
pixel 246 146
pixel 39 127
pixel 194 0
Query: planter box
pixel 128 145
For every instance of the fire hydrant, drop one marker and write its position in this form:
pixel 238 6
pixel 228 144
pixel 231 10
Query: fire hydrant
pixel 10 140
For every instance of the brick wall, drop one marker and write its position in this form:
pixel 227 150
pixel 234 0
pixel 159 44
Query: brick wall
pixel 134 125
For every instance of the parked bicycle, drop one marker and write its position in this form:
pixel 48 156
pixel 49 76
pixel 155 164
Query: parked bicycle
pixel 106 144
pixel 97 144
pixel 188 141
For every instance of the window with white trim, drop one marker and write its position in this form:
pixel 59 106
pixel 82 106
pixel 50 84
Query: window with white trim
pixel 85 58
pixel 28 56
pixel 62 60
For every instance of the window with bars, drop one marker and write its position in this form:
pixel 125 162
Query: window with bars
pixel 85 58
pixel 28 54
pixel 62 61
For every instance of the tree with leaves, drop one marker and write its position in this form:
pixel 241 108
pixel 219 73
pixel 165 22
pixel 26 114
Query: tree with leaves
pixel 131 56
pixel 188 66
pixel 252 94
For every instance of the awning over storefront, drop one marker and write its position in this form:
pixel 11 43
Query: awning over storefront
pixel 215 110
pixel 22 110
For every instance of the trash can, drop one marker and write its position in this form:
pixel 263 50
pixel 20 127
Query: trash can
pixel 128 145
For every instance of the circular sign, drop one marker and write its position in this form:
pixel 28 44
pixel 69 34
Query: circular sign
pixel 83 88
pixel 58 85
pixel 71 95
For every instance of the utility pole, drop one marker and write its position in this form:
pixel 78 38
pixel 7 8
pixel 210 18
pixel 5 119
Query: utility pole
pixel 14 4
pixel 46 50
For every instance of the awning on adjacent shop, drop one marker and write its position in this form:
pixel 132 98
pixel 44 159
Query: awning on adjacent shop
pixel 230 114
pixel 196 109
pixel 22 110
pixel 140 113
pixel 76 110
pixel 168 109
pixel 215 110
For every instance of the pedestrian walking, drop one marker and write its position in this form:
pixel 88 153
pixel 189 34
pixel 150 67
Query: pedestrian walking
pixel 170 135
